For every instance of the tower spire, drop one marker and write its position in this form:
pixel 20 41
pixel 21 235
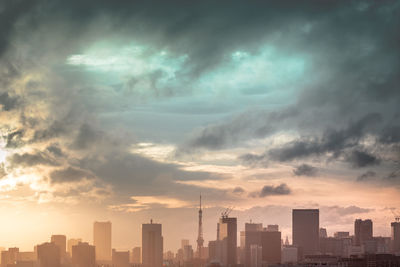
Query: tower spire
pixel 200 239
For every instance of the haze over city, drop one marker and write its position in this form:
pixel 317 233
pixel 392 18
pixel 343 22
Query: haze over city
pixel 127 111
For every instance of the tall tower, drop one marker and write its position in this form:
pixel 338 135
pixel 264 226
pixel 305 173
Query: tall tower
pixel 200 239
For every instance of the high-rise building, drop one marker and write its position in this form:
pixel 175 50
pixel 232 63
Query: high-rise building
pixel 72 242
pixel 362 231
pixel 120 258
pixel 227 233
pixel 305 231
pixel 395 237
pixel 61 242
pixel 48 255
pixel 102 240
pixel 152 245
pixel 251 236
pixel 83 255
pixel 9 256
pixel 136 255
pixel 271 247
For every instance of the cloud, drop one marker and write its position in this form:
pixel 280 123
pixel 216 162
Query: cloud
pixel 11 12
pixel 334 141
pixel 254 160
pixel 70 174
pixel 362 159
pixel 32 159
pixel 366 176
pixel 7 102
pixel 305 170
pixel 86 137
pixel 238 190
pixel 344 211
pixel 14 139
pixel 270 190
pixel 55 150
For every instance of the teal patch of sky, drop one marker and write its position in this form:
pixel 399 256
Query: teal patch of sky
pixel 263 79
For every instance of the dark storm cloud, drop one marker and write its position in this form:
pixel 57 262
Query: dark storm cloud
pixel 334 141
pixel 341 40
pixel 270 190
pixel 55 150
pixel 7 102
pixel 362 159
pixel 14 139
pixel 10 12
pixel 87 136
pixel 69 174
pixel 32 159
pixel 305 170
pixel 390 134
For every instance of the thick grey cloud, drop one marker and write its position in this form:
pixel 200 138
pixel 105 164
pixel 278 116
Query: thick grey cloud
pixel 69 174
pixel 86 137
pixel 55 150
pixel 7 102
pixel 32 159
pixel 334 141
pixel 13 139
pixel 254 160
pixel 362 159
pixel 305 170
pixel 270 190
pixel 10 12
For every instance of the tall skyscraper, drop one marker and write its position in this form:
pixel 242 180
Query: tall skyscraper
pixel 395 238
pixel 102 240
pixel 152 245
pixel 83 255
pixel 227 233
pixel 200 240
pixel 362 231
pixel 271 247
pixel 48 255
pixel 252 236
pixel 305 230
pixel 61 242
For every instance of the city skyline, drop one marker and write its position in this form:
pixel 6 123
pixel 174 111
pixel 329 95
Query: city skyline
pixel 252 246
pixel 193 240
pixel 126 111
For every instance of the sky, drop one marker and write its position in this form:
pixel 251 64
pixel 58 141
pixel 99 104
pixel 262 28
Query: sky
pixel 129 110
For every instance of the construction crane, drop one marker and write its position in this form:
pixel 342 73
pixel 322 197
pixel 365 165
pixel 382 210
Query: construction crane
pixel 226 212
